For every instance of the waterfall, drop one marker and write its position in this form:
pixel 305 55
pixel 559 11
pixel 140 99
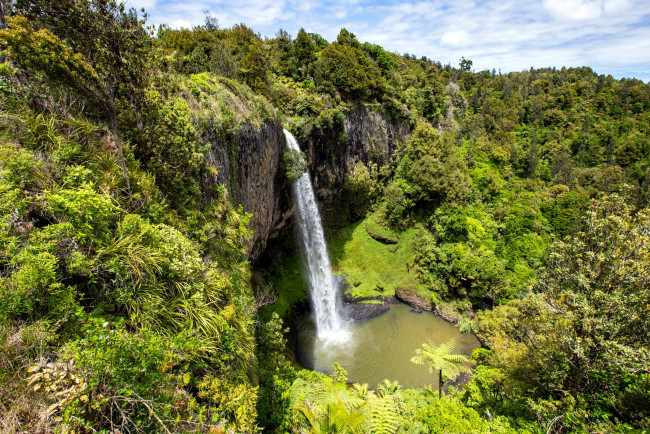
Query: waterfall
pixel 322 284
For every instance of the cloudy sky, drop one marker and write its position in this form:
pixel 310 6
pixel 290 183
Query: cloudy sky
pixel 611 36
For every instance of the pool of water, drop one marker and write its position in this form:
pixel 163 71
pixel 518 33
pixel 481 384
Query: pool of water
pixel 382 347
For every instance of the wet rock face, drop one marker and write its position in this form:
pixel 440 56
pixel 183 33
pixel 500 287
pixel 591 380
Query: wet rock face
pixel 363 311
pixel 249 167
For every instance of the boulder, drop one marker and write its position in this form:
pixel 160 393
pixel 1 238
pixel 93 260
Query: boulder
pixel 413 299
pixel 386 239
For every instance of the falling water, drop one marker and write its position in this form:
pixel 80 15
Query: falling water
pixel 322 285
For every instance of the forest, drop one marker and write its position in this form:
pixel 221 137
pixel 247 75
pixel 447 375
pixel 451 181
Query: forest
pixel 139 291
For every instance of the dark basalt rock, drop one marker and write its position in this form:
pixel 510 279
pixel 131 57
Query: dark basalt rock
pixel 363 311
pixel 249 165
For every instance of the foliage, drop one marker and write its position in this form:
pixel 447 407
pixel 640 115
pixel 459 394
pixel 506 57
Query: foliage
pixel 343 67
pixel 336 418
pixel 230 402
pixel 359 190
pixel 448 416
pixel 294 163
pixel 583 324
pixel 440 358
pixel 169 145
pixel 124 278
pixel 112 378
pixel 304 51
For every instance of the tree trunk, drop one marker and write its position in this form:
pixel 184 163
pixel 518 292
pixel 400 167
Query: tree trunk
pixel 439 383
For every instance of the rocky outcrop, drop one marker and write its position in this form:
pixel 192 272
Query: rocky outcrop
pixel 249 166
pixel 363 311
pixel 412 298
pixel 364 136
pixel 386 239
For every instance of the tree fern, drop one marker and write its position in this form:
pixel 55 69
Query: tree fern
pixel 440 357
pixel 388 387
pixel 335 418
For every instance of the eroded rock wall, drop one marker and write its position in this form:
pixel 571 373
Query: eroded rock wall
pixel 365 137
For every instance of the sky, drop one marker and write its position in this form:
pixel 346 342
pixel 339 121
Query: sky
pixel 610 36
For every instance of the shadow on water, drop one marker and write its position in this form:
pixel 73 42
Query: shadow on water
pixel 381 348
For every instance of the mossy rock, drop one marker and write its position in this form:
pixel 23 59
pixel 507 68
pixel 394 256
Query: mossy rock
pixel 409 292
pixel 380 233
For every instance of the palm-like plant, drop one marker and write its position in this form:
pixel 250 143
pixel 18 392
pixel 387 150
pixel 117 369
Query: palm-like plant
pixel 388 387
pixel 335 418
pixel 440 358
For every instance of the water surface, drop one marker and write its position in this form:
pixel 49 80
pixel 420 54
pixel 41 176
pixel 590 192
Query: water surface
pixel 381 348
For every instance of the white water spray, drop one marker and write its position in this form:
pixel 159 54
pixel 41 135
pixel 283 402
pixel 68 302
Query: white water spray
pixel 322 285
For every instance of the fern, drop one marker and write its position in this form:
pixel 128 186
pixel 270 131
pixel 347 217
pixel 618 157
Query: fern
pixel 440 358
pixel 388 387
pixel 385 414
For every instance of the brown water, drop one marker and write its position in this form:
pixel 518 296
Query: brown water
pixel 382 347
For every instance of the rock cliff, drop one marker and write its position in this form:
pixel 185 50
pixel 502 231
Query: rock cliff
pixel 249 163
pixel 365 137
pixel 249 166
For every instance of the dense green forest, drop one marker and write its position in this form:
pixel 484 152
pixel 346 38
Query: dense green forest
pixel 127 299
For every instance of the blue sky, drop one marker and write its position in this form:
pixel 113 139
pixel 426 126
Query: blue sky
pixel 611 36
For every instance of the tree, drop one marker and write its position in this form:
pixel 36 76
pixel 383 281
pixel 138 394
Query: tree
pixel 97 49
pixel 600 281
pixel 465 64
pixel 347 38
pixel 581 340
pixel 343 66
pixel 254 70
pixel 283 53
pixel 440 357
pixel 303 48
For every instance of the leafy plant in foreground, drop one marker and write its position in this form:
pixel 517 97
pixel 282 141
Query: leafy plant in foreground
pixel 440 358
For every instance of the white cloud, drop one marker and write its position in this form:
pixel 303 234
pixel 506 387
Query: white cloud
pixel 138 4
pixel 574 9
pixel 579 10
pixel 180 23
pixel 455 38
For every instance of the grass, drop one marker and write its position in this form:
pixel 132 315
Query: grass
pixel 379 232
pixel 372 302
pixel 372 268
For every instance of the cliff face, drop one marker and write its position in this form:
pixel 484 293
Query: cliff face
pixel 249 165
pixel 365 137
